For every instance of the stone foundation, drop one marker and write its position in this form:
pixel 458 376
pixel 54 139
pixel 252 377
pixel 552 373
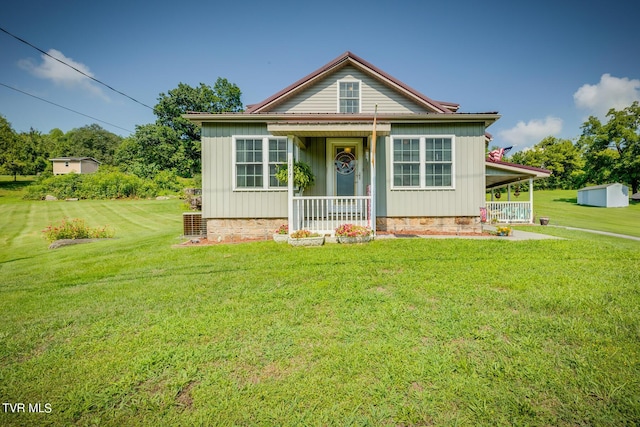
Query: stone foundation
pixel 242 229
pixel 408 225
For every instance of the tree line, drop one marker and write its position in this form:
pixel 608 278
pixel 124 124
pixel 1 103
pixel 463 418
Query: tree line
pixel 605 151
pixel 170 144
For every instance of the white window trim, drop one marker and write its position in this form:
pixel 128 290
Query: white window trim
pixel 265 163
pixel 347 80
pixel 423 161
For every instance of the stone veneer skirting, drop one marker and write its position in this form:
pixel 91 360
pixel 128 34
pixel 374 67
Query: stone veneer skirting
pixel 449 224
pixel 240 229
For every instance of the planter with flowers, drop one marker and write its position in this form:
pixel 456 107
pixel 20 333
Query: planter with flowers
pixel 281 235
pixel 503 230
pixel 305 238
pixel 351 233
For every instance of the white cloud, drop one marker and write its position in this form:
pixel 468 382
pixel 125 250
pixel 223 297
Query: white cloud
pixel 530 133
pixel 611 92
pixel 60 74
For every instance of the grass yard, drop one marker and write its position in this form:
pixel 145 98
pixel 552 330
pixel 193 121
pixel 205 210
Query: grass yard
pixel 563 209
pixel 133 331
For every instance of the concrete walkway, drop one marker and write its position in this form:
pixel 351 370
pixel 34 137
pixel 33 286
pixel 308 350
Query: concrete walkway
pixel 604 233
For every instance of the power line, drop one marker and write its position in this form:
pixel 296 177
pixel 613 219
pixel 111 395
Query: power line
pixel 74 68
pixel 61 106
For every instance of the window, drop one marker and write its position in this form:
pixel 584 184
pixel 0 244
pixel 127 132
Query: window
pixel 423 162
pixel 349 96
pixel 256 160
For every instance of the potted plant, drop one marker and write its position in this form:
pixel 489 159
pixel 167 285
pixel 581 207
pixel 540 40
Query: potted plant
pixel 544 220
pixel 503 230
pixel 305 238
pixel 281 234
pixel 351 233
pixel 303 176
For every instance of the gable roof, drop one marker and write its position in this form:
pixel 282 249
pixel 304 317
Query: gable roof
pixel 343 60
pixel 73 159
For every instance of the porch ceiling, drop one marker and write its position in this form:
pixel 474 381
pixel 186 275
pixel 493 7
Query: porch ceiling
pixel 327 129
pixel 499 174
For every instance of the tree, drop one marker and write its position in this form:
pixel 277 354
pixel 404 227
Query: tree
pixel 560 156
pixel 92 141
pixel 223 97
pixel 153 149
pixel 12 159
pixel 612 150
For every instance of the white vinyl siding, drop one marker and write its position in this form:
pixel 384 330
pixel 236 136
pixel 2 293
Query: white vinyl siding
pixel 255 160
pixel 423 162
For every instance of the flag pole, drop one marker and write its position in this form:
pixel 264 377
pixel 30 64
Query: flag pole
pixel 373 172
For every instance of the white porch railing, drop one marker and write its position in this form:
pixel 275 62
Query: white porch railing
pixel 510 212
pixel 323 214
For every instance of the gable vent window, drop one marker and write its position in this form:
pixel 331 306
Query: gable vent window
pixel 349 96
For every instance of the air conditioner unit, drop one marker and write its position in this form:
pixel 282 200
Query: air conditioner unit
pixel 193 225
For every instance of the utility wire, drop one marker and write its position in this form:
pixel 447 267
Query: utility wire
pixel 61 106
pixel 74 68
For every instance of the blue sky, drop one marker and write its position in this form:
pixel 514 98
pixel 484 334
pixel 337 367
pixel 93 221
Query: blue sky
pixel 545 66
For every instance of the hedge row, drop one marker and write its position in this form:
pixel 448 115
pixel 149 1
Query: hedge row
pixel 102 185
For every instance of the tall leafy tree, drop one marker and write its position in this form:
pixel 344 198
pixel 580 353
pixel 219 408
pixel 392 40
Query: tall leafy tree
pixel 612 149
pixel 560 156
pixel 153 149
pixel 223 97
pixel 12 158
pixel 92 141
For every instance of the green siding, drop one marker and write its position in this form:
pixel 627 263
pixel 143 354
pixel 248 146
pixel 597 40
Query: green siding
pixel 464 200
pixel 218 198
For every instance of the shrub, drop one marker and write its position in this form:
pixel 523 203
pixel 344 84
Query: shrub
pixel 75 229
pixel 303 234
pixel 352 230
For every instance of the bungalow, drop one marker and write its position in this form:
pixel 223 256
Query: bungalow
pixel 64 165
pixel 383 155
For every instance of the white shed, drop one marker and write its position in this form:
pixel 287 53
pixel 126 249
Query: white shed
pixel 607 196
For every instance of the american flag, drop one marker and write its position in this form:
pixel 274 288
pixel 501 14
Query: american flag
pixel 496 155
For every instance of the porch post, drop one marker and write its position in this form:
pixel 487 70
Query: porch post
pixel 531 200
pixel 290 221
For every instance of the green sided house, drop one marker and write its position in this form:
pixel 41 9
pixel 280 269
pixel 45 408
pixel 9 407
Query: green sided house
pixel 424 170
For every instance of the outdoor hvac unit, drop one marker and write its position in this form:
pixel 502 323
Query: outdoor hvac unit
pixel 193 225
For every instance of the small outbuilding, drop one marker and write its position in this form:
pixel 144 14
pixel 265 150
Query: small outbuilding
pixel 607 196
pixel 64 165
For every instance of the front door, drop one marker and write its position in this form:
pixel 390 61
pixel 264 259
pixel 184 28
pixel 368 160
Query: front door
pixel 344 167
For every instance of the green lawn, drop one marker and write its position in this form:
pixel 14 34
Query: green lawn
pixel 134 331
pixel 563 209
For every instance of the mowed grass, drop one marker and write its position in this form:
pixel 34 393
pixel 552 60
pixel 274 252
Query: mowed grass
pixel 561 206
pixel 134 331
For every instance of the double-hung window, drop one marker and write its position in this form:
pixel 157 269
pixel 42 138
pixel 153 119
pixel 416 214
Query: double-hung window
pixel 423 162
pixel 256 160
pixel 348 96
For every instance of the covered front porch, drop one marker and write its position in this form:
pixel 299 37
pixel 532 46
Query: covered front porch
pixel 341 155
pixel 500 175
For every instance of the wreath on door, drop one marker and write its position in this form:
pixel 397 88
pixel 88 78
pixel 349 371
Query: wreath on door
pixel 345 163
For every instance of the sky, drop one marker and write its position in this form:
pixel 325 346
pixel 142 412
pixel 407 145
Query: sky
pixel 545 66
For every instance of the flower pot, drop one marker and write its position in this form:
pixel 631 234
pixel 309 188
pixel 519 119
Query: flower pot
pixel 307 241
pixel 544 220
pixel 280 238
pixel 358 239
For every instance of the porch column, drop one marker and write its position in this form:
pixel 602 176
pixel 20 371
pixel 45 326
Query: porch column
pixel 290 221
pixel 531 200
pixel 372 202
